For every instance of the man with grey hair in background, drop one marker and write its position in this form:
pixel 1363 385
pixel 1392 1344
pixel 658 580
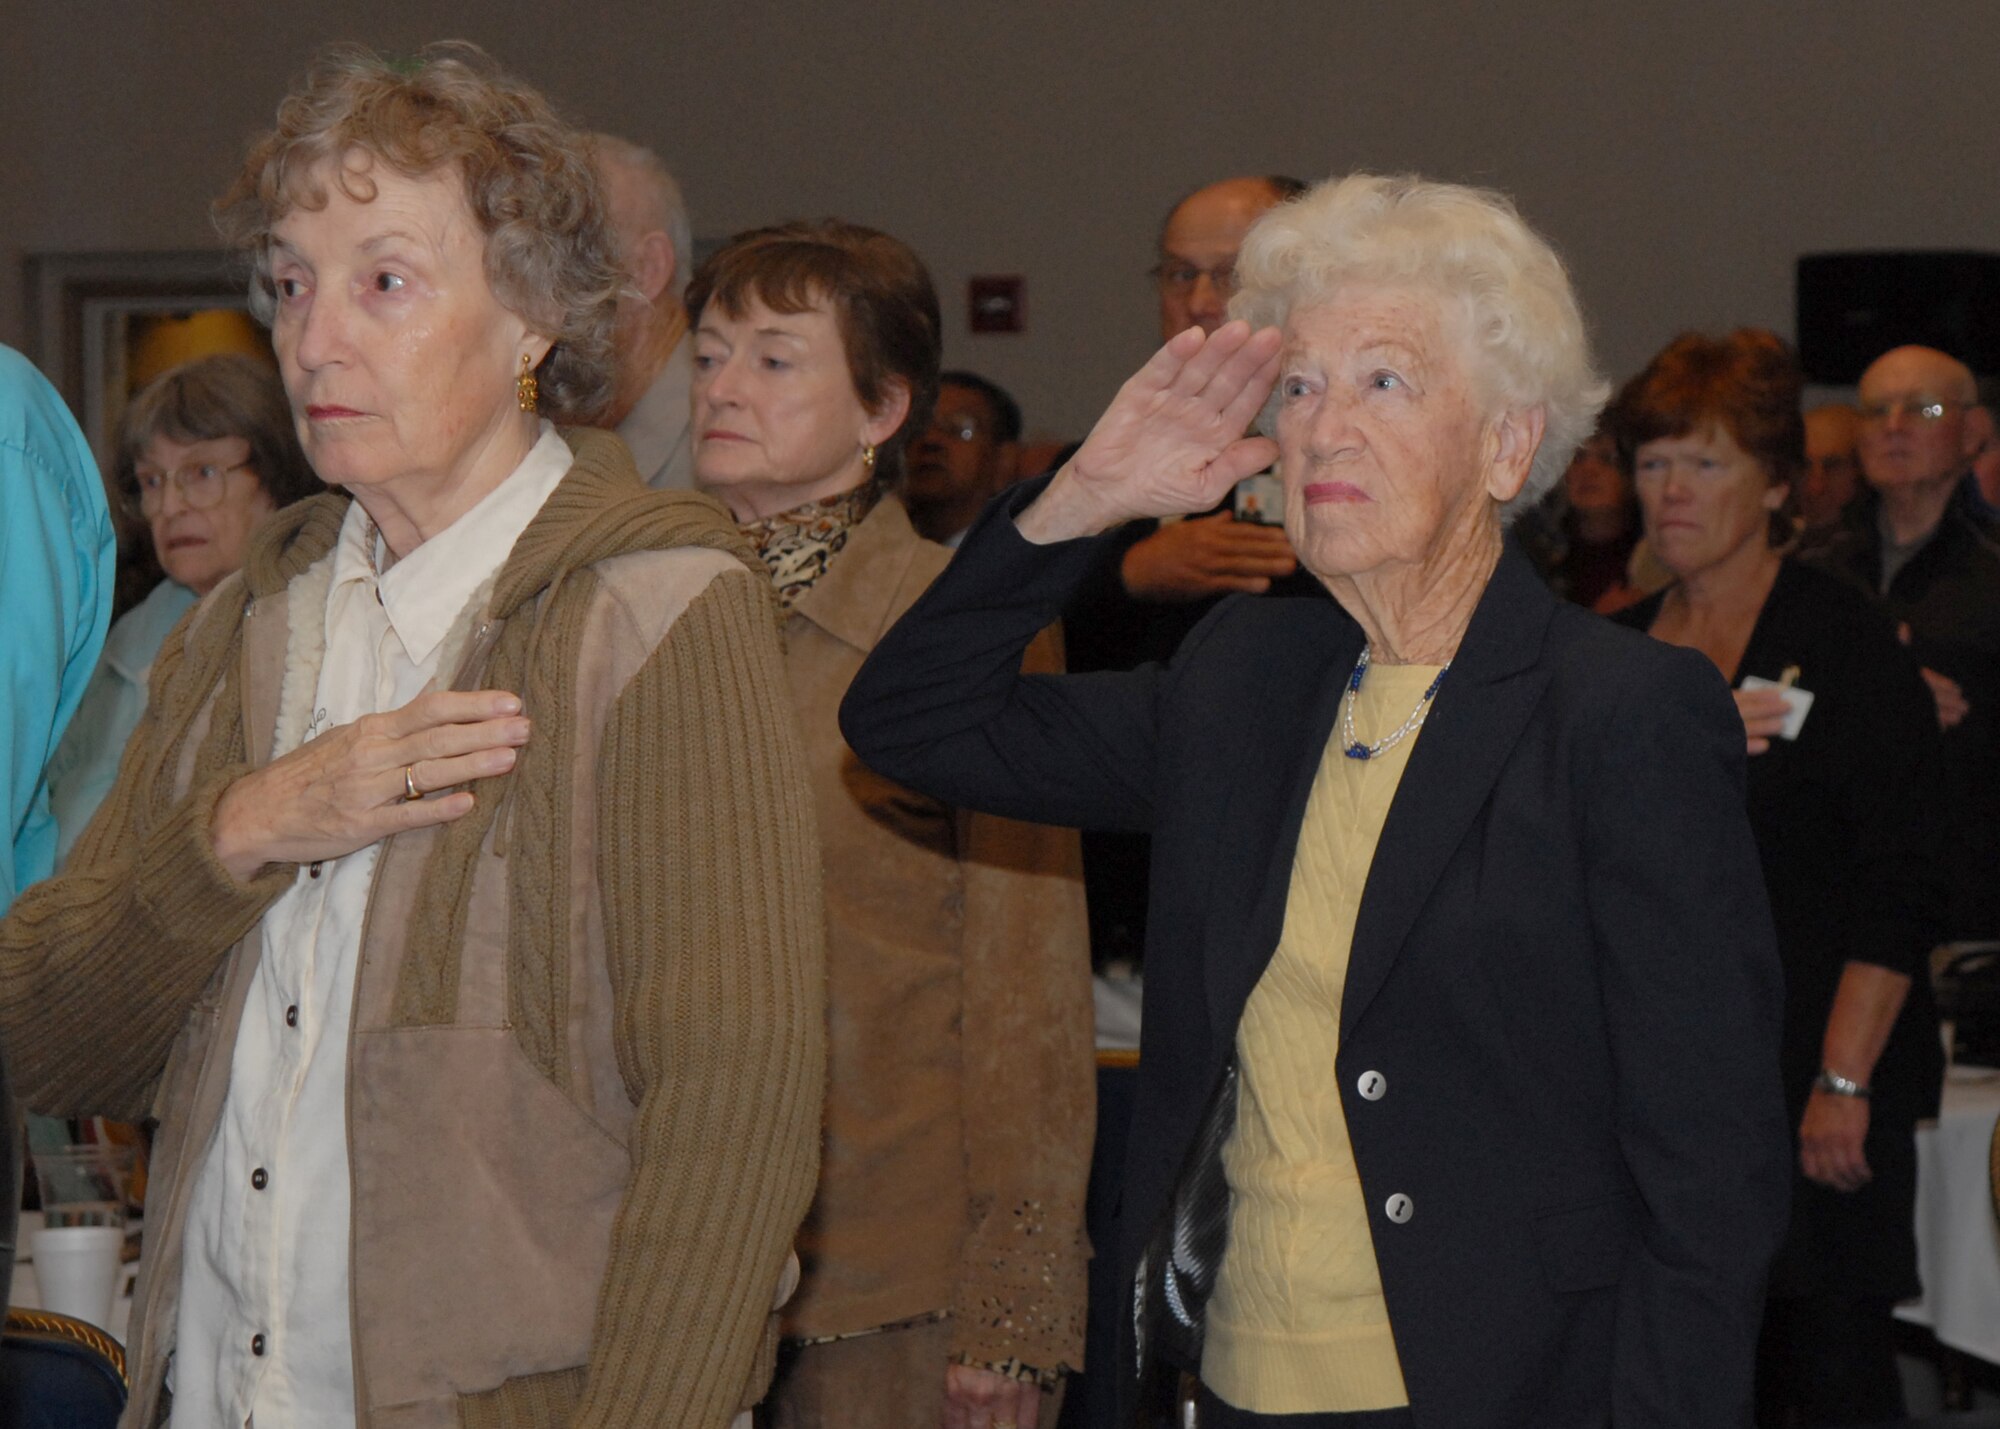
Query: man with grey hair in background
pixel 1915 539
pixel 1152 585
pixel 650 406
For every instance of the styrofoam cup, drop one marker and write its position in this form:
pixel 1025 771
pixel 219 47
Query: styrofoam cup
pixel 77 1268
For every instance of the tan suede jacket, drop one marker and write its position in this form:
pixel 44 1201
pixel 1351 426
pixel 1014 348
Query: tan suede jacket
pixel 587 1053
pixel 960 1092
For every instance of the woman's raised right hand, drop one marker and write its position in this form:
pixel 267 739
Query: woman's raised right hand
pixel 1171 441
pixel 345 789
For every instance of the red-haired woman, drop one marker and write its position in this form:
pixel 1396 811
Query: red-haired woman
pixel 1712 435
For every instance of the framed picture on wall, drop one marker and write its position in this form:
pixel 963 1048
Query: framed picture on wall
pixel 102 325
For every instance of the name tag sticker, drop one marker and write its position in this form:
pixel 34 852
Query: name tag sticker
pixel 1798 702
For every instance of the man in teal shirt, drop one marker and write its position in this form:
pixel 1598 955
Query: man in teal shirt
pixel 57 560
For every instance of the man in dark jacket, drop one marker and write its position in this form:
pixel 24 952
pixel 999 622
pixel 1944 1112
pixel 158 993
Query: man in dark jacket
pixel 1918 541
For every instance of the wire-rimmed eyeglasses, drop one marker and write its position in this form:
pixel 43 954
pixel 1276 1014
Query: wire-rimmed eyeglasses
pixel 200 483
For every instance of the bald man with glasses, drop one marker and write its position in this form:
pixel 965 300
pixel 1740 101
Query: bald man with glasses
pixel 1152 585
pixel 1196 560
pixel 1921 541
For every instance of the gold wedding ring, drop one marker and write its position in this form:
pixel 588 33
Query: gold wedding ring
pixel 411 792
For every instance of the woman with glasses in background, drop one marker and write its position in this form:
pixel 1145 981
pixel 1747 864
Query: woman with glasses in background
pixel 206 451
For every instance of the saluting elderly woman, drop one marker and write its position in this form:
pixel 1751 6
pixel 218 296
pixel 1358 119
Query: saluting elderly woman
pixel 1460 943
pixel 456 908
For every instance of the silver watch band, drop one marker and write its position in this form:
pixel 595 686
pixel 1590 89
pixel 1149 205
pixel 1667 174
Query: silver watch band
pixel 1829 1080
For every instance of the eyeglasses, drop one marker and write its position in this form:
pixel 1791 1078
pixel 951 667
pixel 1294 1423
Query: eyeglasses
pixel 1917 409
pixel 1179 278
pixel 200 483
pixel 957 429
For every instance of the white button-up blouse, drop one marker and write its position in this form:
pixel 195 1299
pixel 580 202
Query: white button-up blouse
pixel 265 1329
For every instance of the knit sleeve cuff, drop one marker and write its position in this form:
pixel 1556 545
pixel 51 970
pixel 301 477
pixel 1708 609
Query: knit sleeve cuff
pixel 99 966
pixel 183 887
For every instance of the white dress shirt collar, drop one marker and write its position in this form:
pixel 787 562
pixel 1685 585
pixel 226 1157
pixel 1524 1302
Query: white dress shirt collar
pixel 425 592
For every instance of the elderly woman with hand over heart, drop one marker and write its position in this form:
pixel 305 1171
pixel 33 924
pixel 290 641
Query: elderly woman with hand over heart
pixel 1478 853
pixel 456 909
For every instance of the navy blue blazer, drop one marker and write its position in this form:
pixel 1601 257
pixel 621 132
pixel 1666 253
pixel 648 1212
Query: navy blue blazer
pixel 1563 965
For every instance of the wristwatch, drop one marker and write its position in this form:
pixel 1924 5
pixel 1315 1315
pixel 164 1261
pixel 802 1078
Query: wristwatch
pixel 1831 1081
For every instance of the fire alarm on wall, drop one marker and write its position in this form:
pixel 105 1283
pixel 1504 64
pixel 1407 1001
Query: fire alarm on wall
pixel 995 304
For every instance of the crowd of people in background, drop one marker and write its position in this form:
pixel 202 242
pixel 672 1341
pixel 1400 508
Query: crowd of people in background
pixel 462 856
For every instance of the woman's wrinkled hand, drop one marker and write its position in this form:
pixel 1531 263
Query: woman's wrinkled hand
pixel 977 1398
pixel 1171 441
pixel 1764 712
pixel 1830 1140
pixel 346 789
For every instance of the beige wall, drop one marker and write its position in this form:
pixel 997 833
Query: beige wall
pixel 1681 158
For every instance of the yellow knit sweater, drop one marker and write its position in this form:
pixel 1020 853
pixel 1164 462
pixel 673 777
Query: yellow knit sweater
pixel 1297 1324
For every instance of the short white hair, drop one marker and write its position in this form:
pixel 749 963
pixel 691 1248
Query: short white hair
pixel 1463 245
pixel 665 209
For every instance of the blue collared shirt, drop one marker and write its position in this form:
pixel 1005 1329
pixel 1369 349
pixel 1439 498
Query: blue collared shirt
pixel 57 562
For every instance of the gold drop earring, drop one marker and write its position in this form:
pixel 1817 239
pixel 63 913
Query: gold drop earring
pixel 526 390
pixel 868 456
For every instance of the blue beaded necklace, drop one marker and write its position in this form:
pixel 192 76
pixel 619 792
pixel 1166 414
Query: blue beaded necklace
pixel 1351 744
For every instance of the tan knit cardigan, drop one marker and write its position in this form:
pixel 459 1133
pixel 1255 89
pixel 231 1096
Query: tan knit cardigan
pixel 587 1053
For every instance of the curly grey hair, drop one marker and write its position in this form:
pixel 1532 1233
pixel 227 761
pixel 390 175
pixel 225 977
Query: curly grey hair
pixel 1465 245
pixel 550 255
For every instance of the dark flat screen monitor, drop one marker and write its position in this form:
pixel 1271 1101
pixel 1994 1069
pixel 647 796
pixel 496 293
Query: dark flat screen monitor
pixel 1853 307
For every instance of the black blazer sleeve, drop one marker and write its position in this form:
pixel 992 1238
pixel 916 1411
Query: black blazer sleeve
pixel 1693 1004
pixel 1886 783
pixel 941 705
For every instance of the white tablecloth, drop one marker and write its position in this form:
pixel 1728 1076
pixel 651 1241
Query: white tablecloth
pixel 1958 1239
